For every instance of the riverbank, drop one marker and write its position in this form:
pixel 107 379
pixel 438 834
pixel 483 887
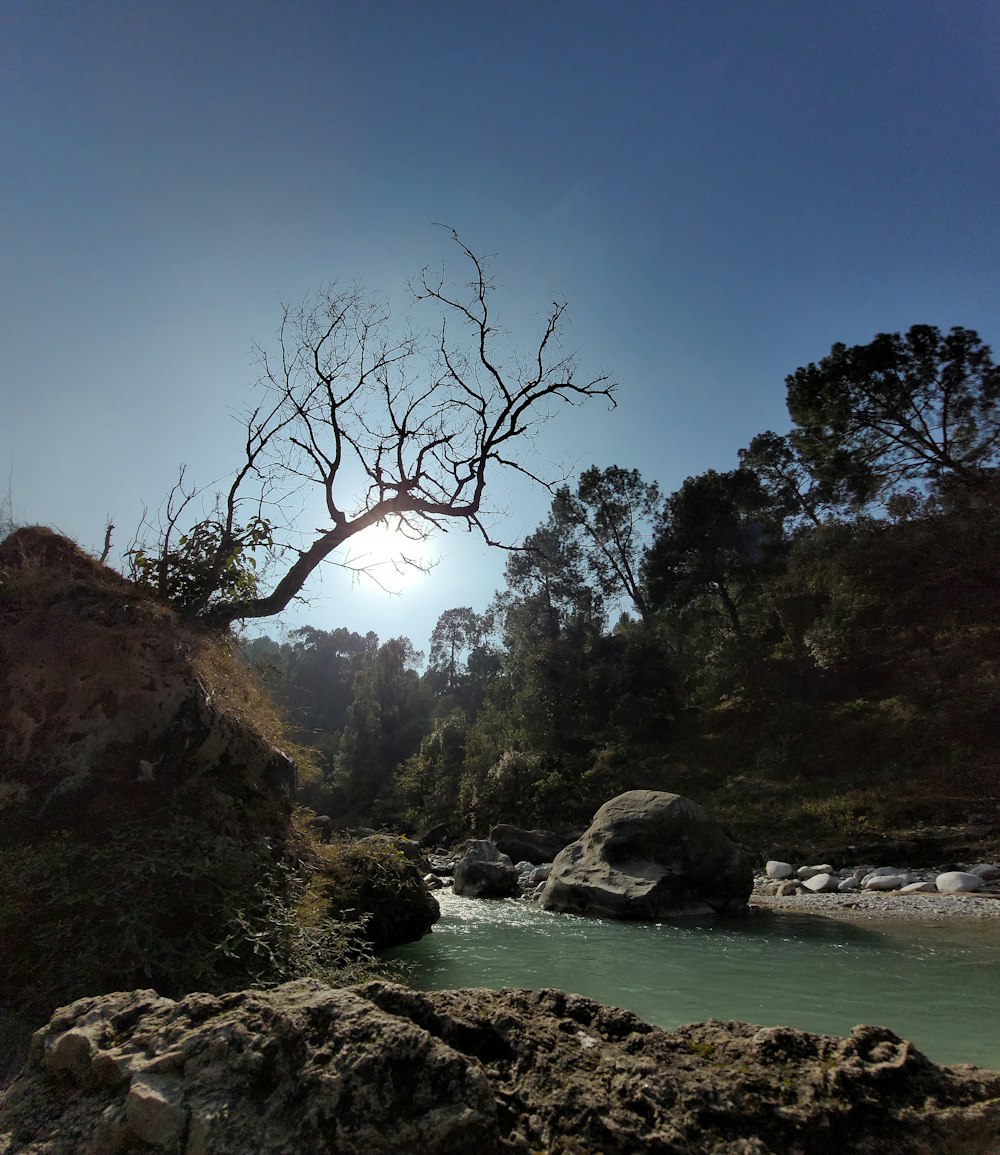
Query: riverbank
pixel 871 906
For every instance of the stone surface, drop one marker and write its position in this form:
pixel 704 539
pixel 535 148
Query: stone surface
pixel 779 870
pixel 483 872
pixel 535 846
pixel 649 854
pixel 885 881
pixel 806 872
pixel 820 883
pixel 381 1069
pixel 438 835
pixel 958 882
pixel 407 847
pixel 789 887
pixel 397 909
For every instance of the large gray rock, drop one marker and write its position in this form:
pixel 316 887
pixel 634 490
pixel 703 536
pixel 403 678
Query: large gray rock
pixel 536 846
pixel 821 883
pixel 483 872
pixel 380 1069
pixel 650 855
pixel 958 882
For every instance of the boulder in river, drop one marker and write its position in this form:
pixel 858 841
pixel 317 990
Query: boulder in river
pixel 533 845
pixel 649 854
pixel 483 872
pixel 379 1069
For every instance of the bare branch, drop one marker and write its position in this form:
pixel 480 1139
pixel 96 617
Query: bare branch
pixel 387 421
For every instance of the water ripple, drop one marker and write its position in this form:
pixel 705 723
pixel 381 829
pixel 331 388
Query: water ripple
pixel 935 985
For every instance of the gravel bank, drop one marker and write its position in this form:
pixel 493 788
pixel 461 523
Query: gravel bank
pixel 870 905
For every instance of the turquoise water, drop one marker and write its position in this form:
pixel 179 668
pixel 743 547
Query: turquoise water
pixel 937 985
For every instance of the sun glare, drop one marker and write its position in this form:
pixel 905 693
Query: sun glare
pixel 390 556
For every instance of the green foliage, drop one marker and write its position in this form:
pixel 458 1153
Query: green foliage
pixel 792 493
pixel 923 406
pixel 428 784
pixel 385 724
pixel 313 676
pixel 842 661
pixel 612 513
pixel 372 886
pixel 508 790
pixel 713 543
pixel 211 562
pixel 178 906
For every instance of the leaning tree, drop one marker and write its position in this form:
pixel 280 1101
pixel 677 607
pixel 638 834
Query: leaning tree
pixel 384 419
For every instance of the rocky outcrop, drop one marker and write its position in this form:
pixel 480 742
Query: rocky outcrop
pixel 437 835
pixel 141 801
pixel 408 917
pixel 379 1068
pixel 527 845
pixel 483 872
pixel 111 706
pixel 649 854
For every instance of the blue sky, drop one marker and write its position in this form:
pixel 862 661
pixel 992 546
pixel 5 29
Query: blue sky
pixel 720 190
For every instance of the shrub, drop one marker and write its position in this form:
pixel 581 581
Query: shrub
pixel 178 907
pixel 371 885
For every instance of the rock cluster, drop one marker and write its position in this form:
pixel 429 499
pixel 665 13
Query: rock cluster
pixel 488 868
pixel 646 855
pixel 783 879
pixel 379 1068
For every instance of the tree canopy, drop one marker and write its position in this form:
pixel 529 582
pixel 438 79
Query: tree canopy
pixel 902 408
pixel 813 633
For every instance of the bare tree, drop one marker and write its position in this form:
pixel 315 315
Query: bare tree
pixel 388 422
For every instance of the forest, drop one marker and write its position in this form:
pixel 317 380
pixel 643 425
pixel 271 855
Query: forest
pixel 808 640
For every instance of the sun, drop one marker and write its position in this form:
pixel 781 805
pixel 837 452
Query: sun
pixel 388 554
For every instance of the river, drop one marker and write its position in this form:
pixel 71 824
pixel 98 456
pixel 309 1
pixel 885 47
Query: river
pixel 935 984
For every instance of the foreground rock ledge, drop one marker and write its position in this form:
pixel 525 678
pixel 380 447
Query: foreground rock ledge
pixel 306 1068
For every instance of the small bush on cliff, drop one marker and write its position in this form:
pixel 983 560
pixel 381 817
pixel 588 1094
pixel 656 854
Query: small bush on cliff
pixel 371 884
